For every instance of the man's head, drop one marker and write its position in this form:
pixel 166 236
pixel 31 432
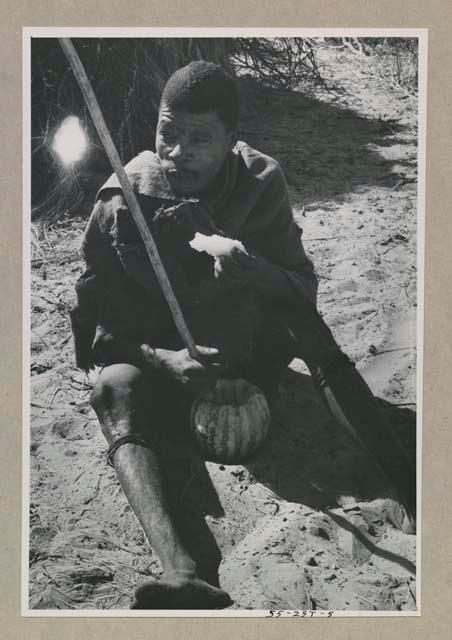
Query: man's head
pixel 197 126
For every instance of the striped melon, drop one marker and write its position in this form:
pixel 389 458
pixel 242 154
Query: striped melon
pixel 231 421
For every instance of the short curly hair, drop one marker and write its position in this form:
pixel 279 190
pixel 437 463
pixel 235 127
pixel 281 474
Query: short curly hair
pixel 203 86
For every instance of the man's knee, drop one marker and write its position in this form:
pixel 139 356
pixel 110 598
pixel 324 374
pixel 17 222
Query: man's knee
pixel 118 384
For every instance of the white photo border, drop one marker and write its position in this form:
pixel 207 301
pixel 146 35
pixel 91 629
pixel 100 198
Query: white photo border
pixel 119 32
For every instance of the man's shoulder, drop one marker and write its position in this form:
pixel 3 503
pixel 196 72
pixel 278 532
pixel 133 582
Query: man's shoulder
pixel 145 175
pixel 260 165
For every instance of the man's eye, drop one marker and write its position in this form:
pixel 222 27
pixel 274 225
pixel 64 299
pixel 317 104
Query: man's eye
pixel 200 140
pixel 167 135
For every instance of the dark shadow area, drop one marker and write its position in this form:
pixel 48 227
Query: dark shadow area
pixel 324 150
pixel 310 460
pixel 192 496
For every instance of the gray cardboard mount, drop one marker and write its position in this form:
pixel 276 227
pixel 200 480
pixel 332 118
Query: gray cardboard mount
pixel 435 15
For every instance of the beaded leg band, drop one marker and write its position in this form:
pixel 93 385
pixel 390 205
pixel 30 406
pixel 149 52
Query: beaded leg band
pixel 132 439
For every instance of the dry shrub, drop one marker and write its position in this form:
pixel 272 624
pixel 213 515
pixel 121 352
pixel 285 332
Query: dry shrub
pixel 403 53
pixel 287 63
pixel 128 75
pixel 395 57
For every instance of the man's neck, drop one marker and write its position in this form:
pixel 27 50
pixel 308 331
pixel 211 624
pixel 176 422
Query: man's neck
pixel 210 193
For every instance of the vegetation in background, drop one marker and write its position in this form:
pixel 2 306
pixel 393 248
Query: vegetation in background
pixel 128 75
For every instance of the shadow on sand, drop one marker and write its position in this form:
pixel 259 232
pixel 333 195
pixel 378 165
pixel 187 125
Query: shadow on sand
pixel 308 459
pixel 311 460
pixel 192 495
pixel 326 151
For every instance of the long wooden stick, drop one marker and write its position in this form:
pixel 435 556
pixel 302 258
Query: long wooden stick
pixel 115 160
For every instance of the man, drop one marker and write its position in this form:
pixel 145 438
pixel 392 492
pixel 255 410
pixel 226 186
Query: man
pixel 123 324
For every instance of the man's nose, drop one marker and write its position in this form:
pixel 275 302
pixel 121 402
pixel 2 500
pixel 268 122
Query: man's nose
pixel 179 152
pixel 176 151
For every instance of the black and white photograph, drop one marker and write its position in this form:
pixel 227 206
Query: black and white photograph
pixel 223 284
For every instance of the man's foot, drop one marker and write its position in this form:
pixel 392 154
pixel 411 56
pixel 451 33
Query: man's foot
pixel 176 592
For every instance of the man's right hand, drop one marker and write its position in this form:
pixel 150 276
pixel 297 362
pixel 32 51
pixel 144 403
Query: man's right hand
pixel 197 375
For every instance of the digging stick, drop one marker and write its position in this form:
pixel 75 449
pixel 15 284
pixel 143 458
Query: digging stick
pixel 115 161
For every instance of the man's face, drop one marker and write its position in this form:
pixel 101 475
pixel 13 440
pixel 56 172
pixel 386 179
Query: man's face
pixel 192 148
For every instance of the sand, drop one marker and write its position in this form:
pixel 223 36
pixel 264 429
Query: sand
pixel 309 524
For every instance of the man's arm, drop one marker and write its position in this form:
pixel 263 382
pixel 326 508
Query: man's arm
pixel 276 264
pixel 119 316
pixel 117 330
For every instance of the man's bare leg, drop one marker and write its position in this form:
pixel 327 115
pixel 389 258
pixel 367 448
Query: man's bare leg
pixel 122 400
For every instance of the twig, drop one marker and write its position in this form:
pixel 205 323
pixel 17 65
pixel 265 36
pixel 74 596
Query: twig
pixel 40 406
pixel 68 407
pixel 41 338
pixel 184 490
pixel 115 602
pixel 374 608
pixel 411 593
pixel 55 394
pixel 395 349
pixel 108 541
pixel 326 238
pixel 96 491
pixel 65 340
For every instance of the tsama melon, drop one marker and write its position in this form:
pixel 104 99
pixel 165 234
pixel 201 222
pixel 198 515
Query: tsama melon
pixel 231 421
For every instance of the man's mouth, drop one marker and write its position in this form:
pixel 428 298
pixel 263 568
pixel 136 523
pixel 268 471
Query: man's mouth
pixel 180 173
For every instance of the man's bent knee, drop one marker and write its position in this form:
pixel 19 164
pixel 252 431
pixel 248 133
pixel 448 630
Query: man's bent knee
pixel 117 383
pixel 122 401
pixel 128 402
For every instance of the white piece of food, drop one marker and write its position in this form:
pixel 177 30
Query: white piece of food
pixel 216 246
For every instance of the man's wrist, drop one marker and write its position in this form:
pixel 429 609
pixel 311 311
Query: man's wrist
pixel 156 357
pixel 152 356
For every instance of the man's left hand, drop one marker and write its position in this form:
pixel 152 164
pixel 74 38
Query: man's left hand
pixel 239 268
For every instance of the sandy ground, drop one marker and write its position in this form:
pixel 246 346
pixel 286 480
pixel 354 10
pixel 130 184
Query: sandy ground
pixel 309 524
